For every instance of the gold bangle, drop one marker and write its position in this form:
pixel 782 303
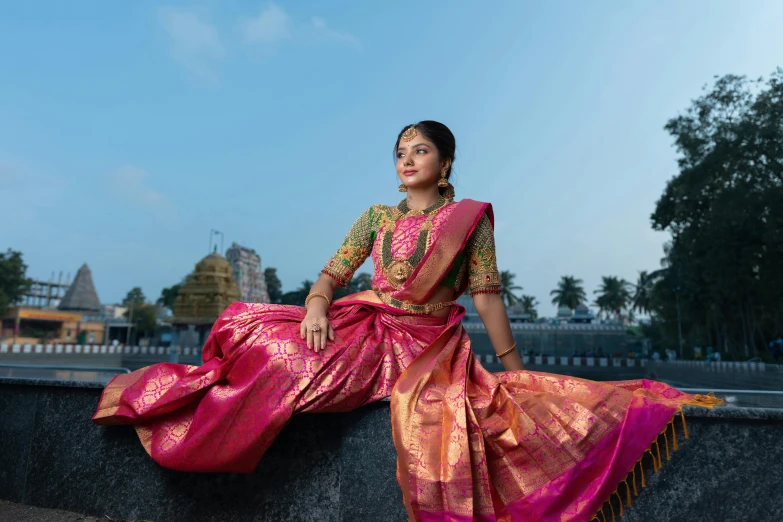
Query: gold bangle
pixel 513 347
pixel 318 294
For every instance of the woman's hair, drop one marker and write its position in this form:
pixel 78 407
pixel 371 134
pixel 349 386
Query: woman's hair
pixel 444 141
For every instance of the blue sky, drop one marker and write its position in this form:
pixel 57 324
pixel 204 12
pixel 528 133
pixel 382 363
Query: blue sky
pixel 128 130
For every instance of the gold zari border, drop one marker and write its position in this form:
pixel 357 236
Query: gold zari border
pixel 427 308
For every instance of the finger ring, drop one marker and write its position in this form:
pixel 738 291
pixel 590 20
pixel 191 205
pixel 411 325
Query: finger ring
pixel 315 327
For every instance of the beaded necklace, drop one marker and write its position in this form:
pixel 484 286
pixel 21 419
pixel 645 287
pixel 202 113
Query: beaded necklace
pixel 399 270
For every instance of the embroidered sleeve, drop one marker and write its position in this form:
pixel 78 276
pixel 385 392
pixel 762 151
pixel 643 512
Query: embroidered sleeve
pixel 356 247
pixel 482 261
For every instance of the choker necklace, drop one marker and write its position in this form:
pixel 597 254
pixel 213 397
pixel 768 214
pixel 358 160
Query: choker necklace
pixel 407 212
pixel 399 270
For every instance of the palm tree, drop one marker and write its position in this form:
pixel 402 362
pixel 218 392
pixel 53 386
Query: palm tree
pixel 644 289
pixel 569 293
pixel 507 288
pixel 614 295
pixel 529 305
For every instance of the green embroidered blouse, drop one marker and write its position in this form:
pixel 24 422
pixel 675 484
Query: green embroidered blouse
pixel 478 261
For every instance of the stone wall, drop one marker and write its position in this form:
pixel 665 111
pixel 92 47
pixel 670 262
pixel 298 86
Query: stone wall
pixel 336 467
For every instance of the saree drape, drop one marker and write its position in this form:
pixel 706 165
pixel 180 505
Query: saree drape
pixel 471 445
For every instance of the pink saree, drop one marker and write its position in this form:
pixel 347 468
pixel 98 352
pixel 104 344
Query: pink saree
pixel 471 445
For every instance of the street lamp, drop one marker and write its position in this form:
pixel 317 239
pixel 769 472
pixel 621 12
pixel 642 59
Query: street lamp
pixel 214 232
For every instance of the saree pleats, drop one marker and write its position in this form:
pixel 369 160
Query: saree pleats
pixel 523 445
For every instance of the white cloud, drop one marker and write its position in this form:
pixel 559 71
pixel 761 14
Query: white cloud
pixel 194 42
pixel 320 25
pixel 129 182
pixel 270 26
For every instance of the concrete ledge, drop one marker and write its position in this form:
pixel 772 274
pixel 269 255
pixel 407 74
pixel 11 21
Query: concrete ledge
pixel 336 467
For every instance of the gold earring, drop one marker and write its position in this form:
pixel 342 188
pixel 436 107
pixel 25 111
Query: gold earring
pixel 403 188
pixel 443 182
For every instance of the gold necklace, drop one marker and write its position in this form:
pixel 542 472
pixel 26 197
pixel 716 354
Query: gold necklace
pixel 399 270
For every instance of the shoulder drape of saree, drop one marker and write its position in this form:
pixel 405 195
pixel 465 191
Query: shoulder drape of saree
pixel 437 261
pixel 440 257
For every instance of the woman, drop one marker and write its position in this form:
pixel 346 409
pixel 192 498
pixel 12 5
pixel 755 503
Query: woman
pixel 472 445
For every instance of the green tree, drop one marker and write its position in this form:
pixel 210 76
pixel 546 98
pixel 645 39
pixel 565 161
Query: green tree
pixel 168 296
pixel 134 298
pixel 297 297
pixel 614 296
pixel 723 269
pixel 13 280
pixel 359 283
pixel 146 319
pixel 273 285
pixel 507 288
pixel 529 305
pixel 569 293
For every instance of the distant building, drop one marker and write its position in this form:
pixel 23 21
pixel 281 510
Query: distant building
pixel 47 315
pixel 246 266
pixel 582 315
pixel 81 295
pixel 27 325
pixel 202 298
pixel 46 294
pixel 568 333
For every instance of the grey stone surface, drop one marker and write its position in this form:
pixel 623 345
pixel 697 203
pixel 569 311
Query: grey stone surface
pixel 25 381
pixel 368 487
pixel 17 420
pixel 11 512
pixel 733 412
pixel 728 471
pixel 337 467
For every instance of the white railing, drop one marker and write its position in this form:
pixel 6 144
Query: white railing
pixel 544 360
pixel 94 349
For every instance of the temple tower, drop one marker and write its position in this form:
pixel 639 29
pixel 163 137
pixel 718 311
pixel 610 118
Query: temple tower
pixel 202 298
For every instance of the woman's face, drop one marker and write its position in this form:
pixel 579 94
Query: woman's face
pixel 418 162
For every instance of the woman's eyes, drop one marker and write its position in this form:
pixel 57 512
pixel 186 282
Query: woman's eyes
pixel 418 151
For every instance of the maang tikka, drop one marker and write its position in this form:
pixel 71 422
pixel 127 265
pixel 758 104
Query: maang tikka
pixel 407 135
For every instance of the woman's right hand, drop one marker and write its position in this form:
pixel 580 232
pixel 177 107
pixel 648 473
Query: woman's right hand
pixel 316 314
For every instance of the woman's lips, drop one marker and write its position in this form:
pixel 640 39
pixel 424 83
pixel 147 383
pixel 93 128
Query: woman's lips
pixel 409 172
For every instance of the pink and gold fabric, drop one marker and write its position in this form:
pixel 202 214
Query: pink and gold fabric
pixel 471 445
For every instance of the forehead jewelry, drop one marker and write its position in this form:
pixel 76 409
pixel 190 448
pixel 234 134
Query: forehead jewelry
pixel 409 133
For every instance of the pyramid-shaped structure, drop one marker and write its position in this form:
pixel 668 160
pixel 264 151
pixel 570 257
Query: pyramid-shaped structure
pixel 81 295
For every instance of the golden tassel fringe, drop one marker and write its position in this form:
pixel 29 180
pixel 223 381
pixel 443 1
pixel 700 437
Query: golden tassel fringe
pixel 684 424
pixel 621 501
pixel 666 443
pixel 700 400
